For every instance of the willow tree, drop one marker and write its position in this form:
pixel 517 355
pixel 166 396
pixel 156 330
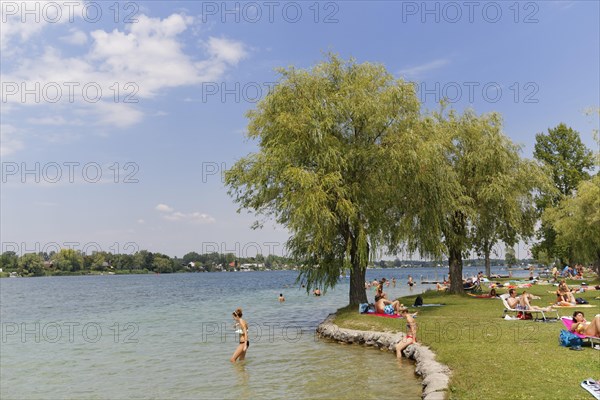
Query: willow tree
pixel 505 208
pixel 494 196
pixel 576 220
pixel 334 144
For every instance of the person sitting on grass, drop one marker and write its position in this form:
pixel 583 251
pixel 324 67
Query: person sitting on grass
pixel 564 296
pixel 385 306
pixel 380 293
pixel 411 332
pixel 583 327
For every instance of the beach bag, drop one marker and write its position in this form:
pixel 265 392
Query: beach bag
pixel 363 308
pixel 579 300
pixel 524 315
pixel 569 339
pixel 418 301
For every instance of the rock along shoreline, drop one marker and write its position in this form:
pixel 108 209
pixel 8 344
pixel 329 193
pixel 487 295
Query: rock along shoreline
pixel 435 376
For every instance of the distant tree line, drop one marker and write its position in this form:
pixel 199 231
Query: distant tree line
pixel 74 262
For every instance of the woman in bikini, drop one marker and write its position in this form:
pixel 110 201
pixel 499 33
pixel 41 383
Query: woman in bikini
pixel 564 296
pixel 411 332
pixel 242 330
pixel 583 327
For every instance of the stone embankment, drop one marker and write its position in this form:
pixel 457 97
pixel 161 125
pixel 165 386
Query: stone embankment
pixel 435 375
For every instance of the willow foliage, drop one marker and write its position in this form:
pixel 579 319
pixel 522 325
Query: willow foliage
pixel 343 160
pixel 576 221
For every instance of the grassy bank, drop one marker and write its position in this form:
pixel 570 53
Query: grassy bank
pixel 491 357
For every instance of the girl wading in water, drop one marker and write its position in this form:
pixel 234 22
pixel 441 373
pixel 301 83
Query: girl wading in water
pixel 242 329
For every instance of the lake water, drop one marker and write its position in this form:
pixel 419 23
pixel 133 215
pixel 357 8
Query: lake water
pixel 170 336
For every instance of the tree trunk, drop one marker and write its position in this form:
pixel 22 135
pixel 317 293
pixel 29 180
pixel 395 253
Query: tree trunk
pixel 488 266
pixel 455 264
pixel 358 294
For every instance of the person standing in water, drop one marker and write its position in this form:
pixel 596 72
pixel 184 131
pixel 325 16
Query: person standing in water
pixel 281 298
pixel 242 330
pixel 410 282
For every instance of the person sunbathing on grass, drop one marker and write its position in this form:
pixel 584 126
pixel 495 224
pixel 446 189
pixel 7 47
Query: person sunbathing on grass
pixel 583 327
pixel 385 306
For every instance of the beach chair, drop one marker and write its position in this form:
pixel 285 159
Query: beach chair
pixel 536 313
pixel 475 288
pixel 568 322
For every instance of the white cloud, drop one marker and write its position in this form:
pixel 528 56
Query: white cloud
pixel 141 221
pixel 116 114
pixel 163 208
pixel 194 217
pixel 76 37
pixel 56 120
pixel 419 70
pixel 170 214
pixel 23 20
pixel 10 141
pixel 104 85
pixel 225 50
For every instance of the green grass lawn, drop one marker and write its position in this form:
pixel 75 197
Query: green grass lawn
pixel 493 358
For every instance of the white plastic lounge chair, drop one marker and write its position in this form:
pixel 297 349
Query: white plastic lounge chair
pixel 536 313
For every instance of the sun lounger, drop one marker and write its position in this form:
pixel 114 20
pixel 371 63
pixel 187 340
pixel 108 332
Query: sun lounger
pixel 508 310
pixel 568 323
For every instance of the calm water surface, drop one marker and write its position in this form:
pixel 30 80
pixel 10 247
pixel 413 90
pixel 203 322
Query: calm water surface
pixel 171 336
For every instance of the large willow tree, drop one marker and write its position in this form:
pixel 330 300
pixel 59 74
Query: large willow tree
pixel 494 196
pixel 343 163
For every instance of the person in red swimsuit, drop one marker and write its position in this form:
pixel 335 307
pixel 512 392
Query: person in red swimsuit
pixel 411 332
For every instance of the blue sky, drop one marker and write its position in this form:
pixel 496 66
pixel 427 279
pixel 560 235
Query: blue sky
pixel 134 160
